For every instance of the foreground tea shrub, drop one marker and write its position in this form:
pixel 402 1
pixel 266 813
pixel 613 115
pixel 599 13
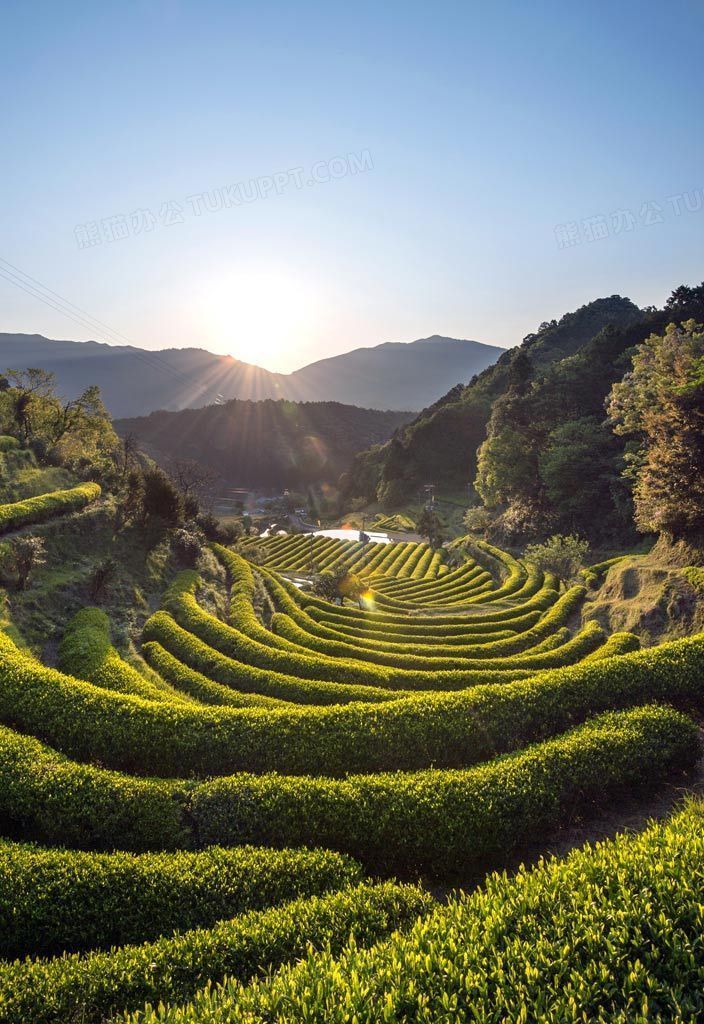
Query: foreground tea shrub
pixel 446 821
pixel 611 933
pixel 53 901
pixel 45 796
pixel 91 988
pixel 454 730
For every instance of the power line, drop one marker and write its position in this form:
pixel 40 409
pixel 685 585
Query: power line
pixel 33 287
pixel 63 301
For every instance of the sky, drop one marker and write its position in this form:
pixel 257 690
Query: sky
pixel 284 182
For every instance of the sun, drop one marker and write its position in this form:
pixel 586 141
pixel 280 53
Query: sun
pixel 258 317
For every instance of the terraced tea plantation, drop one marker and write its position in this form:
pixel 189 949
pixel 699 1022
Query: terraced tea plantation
pixel 241 826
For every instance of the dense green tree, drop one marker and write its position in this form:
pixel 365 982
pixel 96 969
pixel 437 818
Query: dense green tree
pixel 506 467
pixel 161 497
pixel 430 526
pixel 562 555
pixel 441 443
pixel 75 433
pixel 477 519
pixel 21 556
pixel 660 404
pixel 392 493
pixel 580 468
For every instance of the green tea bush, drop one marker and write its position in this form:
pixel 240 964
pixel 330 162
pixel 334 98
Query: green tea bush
pixel 448 730
pixel 617 643
pixel 454 668
pixel 46 797
pixel 95 986
pixel 198 686
pixel 43 507
pixel 610 933
pixel 246 677
pixel 53 901
pixel 442 821
pixel 87 653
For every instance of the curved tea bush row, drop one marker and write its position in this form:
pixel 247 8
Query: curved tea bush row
pixel 95 986
pixel 440 821
pixel 445 593
pixel 545 595
pixel 53 901
pixel 297 552
pixel 270 652
pixel 466 573
pixel 421 570
pixel 593 573
pixel 401 643
pixel 468 664
pixel 393 635
pixel 127 732
pixel 246 678
pixel 87 653
pixel 306 637
pixel 434 819
pixel 617 643
pixel 8 443
pixel 610 933
pixel 43 507
pixel 513 617
pixel 198 686
pixel 493 654
pixel 44 796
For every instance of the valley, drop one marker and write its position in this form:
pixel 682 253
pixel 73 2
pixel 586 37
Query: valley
pixel 351 513
pixel 320 734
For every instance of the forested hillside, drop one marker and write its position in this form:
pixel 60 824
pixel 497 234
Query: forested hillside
pixel 532 432
pixel 266 444
pixel 441 443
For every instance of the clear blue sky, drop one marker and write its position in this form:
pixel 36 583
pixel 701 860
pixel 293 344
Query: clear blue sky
pixel 487 126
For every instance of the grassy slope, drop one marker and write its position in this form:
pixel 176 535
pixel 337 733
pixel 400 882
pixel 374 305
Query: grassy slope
pixel 61 587
pixel 650 595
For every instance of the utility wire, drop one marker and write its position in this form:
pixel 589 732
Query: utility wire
pixel 33 287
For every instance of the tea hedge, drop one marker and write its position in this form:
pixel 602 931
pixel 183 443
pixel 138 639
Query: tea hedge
pixel 95 986
pixel 129 733
pixel 447 821
pixel 438 658
pixel 610 933
pixel 53 901
pixel 198 686
pixel 298 689
pixel 87 653
pixel 617 643
pixel 287 658
pixel 46 797
pixel 45 506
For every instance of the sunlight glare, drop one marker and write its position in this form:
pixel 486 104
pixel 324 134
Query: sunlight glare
pixel 257 317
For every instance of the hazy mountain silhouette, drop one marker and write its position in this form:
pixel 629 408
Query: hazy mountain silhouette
pixel 136 381
pixel 266 443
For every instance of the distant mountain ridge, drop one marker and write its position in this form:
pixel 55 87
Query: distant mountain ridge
pixel 134 382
